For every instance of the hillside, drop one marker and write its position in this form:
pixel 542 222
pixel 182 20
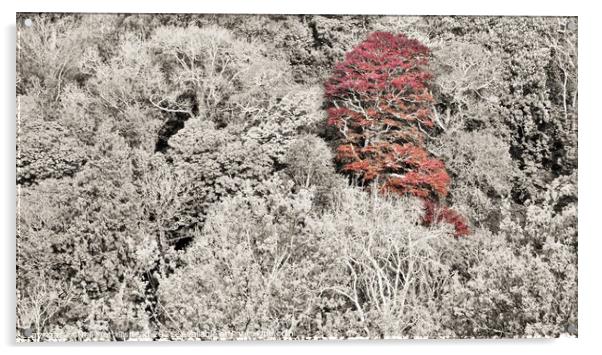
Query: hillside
pixel 181 177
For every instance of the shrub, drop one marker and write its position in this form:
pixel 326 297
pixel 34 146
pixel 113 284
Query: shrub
pixel 483 173
pixel 45 148
pixel 94 242
pixel 284 269
pixel 309 164
pixel 391 273
pixel 467 82
pixel 246 276
pixel 214 163
pixel 512 290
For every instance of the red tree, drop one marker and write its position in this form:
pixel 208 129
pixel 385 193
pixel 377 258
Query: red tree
pixel 379 100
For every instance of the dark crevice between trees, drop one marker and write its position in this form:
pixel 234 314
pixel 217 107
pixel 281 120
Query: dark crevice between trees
pixel 151 286
pixel 182 243
pixel 183 236
pixel 318 40
pixel 180 239
pixel 175 121
pixel 150 279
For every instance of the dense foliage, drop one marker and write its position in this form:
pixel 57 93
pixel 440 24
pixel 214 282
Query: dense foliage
pixel 204 176
pixel 380 102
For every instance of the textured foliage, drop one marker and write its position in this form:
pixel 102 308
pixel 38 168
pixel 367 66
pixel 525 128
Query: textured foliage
pixel 215 163
pixel 363 268
pixel 248 275
pixel 380 102
pixel 514 291
pixel 483 174
pixel 86 242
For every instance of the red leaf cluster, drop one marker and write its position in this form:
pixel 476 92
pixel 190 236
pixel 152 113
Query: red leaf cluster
pixel 379 100
pixel 435 213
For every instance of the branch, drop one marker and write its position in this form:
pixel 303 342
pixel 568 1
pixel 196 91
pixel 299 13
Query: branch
pixel 437 119
pixel 157 105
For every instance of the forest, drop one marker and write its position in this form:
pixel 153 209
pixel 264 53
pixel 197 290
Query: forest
pixel 222 177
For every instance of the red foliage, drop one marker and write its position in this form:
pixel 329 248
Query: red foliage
pixel 379 100
pixel 435 213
